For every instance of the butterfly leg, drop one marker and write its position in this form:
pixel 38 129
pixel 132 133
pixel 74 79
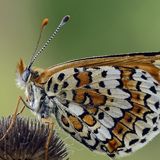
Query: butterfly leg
pixel 21 111
pixel 13 118
pixel 49 121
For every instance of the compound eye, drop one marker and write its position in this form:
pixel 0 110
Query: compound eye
pixel 26 74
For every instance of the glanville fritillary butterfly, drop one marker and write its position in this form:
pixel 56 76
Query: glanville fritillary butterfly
pixel 110 104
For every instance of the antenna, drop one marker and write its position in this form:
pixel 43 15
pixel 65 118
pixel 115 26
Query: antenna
pixel 43 24
pixel 45 21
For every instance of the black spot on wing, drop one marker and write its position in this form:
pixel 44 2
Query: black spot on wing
pixel 155 128
pixel 65 84
pixel 101 84
pixel 107 109
pixel 145 131
pixel 138 86
pixel 104 74
pixel 133 141
pixel 101 115
pixel 87 86
pixel 61 76
pixel 120 83
pixel 109 92
pixel 55 88
pixel 154 120
pixel 90 76
pixel 145 99
pixel 157 105
pixel 77 79
pixel 76 70
pixel 49 84
pixel 74 95
pixel 96 131
pixel 143 77
pixel 128 150
pixel 153 89
pixel 143 140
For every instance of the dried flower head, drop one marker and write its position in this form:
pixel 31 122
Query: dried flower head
pixel 27 139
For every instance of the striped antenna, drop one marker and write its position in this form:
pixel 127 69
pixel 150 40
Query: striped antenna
pixel 62 23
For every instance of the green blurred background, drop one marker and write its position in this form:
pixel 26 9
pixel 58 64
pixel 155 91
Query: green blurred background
pixel 96 28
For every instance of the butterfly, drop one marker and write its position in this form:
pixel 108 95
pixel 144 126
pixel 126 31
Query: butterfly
pixel 110 104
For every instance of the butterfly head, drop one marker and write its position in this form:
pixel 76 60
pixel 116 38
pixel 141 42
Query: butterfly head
pixel 25 74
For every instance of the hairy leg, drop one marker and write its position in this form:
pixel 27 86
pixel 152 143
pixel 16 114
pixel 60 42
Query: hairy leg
pixel 13 118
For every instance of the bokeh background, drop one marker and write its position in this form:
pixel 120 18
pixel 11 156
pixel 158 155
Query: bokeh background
pixel 96 28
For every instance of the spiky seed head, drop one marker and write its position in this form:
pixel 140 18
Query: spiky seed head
pixel 27 139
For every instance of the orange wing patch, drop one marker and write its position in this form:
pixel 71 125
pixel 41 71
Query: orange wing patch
pixel 120 130
pixel 139 110
pixel 91 110
pixel 75 122
pixel 84 78
pixel 138 97
pixel 89 120
pixel 95 99
pixel 113 144
pixel 128 120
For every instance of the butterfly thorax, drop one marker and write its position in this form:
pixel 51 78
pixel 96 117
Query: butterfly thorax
pixel 42 105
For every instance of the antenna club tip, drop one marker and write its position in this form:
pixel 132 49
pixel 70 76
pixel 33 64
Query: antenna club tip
pixel 65 19
pixel 44 22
